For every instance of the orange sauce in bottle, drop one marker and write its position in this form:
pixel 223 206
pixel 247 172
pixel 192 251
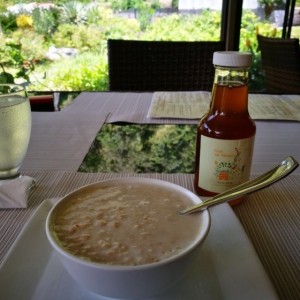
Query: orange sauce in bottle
pixel 225 138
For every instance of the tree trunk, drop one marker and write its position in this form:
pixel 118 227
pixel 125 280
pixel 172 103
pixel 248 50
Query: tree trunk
pixel 268 10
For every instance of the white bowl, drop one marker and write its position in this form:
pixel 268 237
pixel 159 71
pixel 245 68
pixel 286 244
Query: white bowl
pixel 129 281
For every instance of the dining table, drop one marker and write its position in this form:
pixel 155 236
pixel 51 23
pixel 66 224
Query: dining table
pixel 252 250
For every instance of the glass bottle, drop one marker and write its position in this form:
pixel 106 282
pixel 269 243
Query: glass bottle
pixel 225 135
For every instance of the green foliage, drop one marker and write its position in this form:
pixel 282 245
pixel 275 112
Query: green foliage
pixel 87 72
pixel 8 22
pixel 144 9
pixel 120 29
pixel 85 38
pixel 32 45
pixel 133 4
pixel 173 148
pixel 295 32
pixel 73 12
pixel 62 2
pixel 174 3
pixel 113 26
pixel 101 159
pixel 63 35
pixel 145 14
pixel 45 22
pixel 89 26
pixel 142 148
pixel 271 2
pixel 3 4
pixel 4 76
pixel 250 27
pixel 205 26
pixel 88 37
pixel 11 56
pixel 95 14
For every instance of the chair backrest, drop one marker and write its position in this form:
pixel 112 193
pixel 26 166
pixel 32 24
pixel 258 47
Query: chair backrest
pixel 281 64
pixel 161 65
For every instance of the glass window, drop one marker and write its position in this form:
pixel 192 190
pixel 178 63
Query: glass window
pixel 61 46
pixel 266 18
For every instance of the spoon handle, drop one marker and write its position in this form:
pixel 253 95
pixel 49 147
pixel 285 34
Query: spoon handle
pixel 283 169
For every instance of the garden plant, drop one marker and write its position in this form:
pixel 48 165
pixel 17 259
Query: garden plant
pixel 27 35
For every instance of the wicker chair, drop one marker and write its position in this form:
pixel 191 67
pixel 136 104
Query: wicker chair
pixel 281 64
pixel 161 66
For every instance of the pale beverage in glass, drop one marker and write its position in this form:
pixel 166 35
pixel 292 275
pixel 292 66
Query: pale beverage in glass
pixel 15 129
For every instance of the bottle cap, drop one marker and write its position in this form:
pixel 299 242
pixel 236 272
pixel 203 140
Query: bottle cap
pixel 232 59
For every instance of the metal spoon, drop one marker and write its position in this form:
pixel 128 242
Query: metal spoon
pixel 283 169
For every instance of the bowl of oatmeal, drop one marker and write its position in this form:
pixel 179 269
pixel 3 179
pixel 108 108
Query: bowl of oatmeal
pixel 124 238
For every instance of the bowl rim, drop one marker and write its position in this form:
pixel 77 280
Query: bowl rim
pixel 163 183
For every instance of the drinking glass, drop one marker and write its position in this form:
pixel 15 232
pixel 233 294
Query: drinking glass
pixel 15 129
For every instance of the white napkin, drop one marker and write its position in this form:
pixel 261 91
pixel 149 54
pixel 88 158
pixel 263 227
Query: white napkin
pixel 14 192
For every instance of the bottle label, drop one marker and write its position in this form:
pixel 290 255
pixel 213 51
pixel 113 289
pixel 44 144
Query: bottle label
pixel 224 164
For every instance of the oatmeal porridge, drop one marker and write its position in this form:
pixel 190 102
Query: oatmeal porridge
pixel 128 224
